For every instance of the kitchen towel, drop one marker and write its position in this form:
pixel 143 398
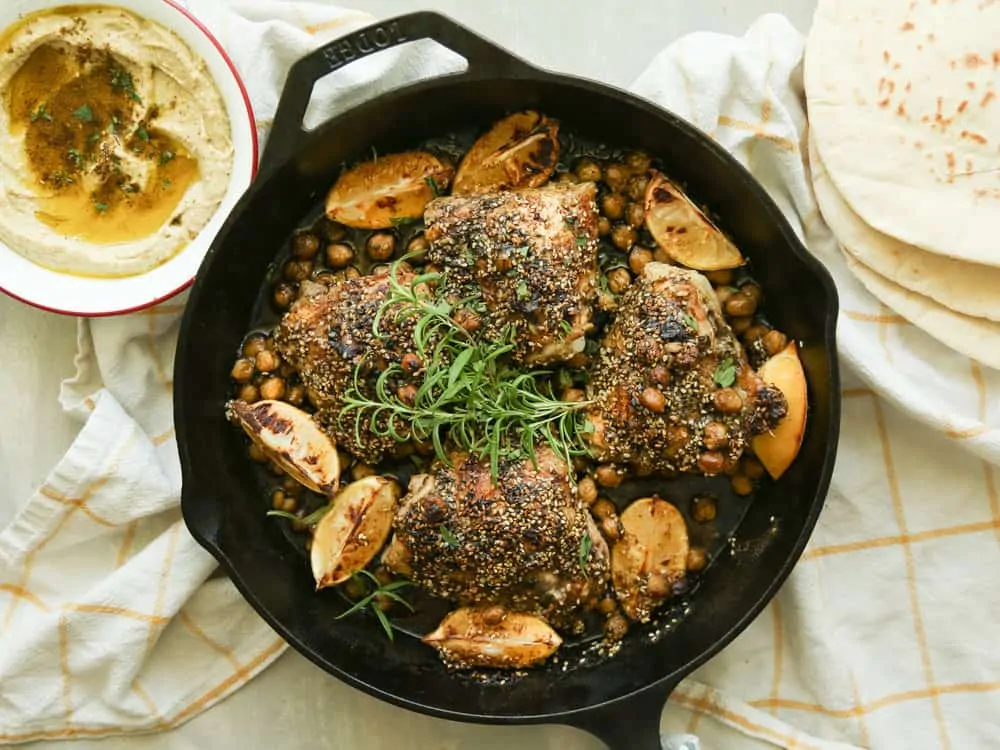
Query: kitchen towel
pixel 110 622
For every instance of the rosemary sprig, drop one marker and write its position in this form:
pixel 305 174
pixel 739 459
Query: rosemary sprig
pixel 471 396
pixel 311 520
pixel 370 601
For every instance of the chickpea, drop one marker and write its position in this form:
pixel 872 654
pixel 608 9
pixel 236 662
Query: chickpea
pixel 381 246
pixel 720 278
pixel 711 463
pixel 305 245
pixel 696 559
pixel 662 256
pixel 331 231
pixel 380 268
pixel 411 363
pixel 616 628
pixel 740 325
pixel 609 528
pixel 325 276
pixel 272 389
pixel 249 393
pixel 417 249
pixel 703 509
pixel 659 586
pixel 297 270
pixel 278 500
pixel 352 273
pixel 284 295
pixel 638 258
pixel 362 470
pixel 275 468
pixel 660 375
pixel 587 489
pixel 580 361
pixel 615 175
pixel 255 342
pixel 603 226
pixel 619 280
pixel 740 305
pixel 242 371
pixel 603 508
pixel 636 187
pixel 716 436
pixel 267 361
pixel 356 587
pixel 753 291
pixel 774 342
pixel 407 394
pixel 752 467
pixel 607 606
pixel 467 319
pixel 607 475
pixel 494 615
pixel 291 487
pixel 257 454
pixel 567 178
pixel 728 401
pixel 588 170
pixel 637 161
pixel 742 484
pixel 623 237
pixel 613 206
pixel 573 395
pixel 677 437
pixel 754 333
pixel 296 395
pixel 635 214
pixel 653 399
pixel 723 293
pixel 339 255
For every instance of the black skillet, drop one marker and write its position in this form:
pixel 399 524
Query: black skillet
pixel 618 699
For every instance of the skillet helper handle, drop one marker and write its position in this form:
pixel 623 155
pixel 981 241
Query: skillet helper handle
pixel 484 58
pixel 631 724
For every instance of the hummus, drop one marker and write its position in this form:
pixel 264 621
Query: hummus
pixel 115 146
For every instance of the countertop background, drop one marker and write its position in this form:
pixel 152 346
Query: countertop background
pixel 293 705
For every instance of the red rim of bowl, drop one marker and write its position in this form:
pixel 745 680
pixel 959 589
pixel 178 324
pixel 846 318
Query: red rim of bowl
pixel 253 172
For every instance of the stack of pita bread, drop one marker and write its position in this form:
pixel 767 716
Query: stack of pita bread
pixel 903 102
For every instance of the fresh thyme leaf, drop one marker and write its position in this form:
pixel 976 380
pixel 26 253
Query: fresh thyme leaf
pixel 581 241
pixel 448 537
pixel 432 184
pixel 585 545
pixel 725 373
pixel 692 323
pixel 522 290
pixel 41 114
pixel 84 113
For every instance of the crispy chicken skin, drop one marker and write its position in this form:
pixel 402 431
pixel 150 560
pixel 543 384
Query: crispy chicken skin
pixel 672 388
pixel 327 334
pixel 518 542
pixel 531 255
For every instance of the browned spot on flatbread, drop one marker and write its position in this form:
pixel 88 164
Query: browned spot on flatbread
pixel 950 158
pixel 901 109
pixel 765 111
pixel 931 37
pixel 962 105
pixel 886 56
pixel 918 145
pixel 977 137
pixel 987 98
pixel 907 87
pixel 884 103
pixel 972 60
pixel 908 26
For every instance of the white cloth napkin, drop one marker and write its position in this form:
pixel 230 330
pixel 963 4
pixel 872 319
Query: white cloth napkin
pixel 882 638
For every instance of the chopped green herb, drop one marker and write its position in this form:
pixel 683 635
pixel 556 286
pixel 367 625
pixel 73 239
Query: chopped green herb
pixel 93 138
pixel 692 323
pixel 167 183
pixel 76 157
pixel 101 207
pixel 311 520
pixel 166 157
pixel 398 221
pixel 565 326
pixel 585 545
pixel 60 178
pixel 581 241
pixel 41 114
pixel 141 133
pixel 522 290
pixel 432 184
pixel 371 600
pixel 84 113
pixel 448 537
pixel 725 373
pixel 121 80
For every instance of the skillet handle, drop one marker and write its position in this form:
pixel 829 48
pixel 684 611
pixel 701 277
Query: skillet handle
pixel 630 724
pixel 485 59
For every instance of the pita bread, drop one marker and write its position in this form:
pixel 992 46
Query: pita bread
pixel 967 288
pixel 976 338
pixel 904 102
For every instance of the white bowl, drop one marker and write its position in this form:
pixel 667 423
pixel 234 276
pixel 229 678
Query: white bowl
pixel 93 297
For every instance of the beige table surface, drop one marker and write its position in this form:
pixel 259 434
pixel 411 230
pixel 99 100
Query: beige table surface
pixel 293 705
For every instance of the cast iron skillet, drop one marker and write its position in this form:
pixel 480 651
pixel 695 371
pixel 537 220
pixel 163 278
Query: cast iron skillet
pixel 618 699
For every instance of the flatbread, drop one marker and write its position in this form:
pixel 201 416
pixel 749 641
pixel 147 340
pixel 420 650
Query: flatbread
pixel 974 337
pixel 904 101
pixel 969 288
